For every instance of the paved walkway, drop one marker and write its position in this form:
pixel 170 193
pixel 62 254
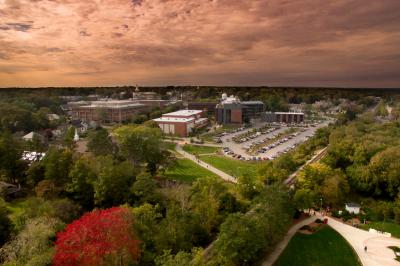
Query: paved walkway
pixel 377 252
pixel 209 167
pixel 282 245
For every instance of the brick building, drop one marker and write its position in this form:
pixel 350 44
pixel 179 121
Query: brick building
pixel 283 117
pixel 109 111
pixel 182 123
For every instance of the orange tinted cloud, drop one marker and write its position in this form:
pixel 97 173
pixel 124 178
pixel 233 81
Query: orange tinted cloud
pixel 206 42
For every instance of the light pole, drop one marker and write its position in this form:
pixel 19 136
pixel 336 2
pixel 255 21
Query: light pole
pixel 321 203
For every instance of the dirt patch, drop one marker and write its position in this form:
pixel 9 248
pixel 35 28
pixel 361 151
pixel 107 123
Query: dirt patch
pixel 305 232
pixel 310 228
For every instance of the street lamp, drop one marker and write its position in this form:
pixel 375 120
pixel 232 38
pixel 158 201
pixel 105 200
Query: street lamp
pixel 321 203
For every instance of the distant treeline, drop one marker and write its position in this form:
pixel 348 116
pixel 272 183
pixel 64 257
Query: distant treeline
pixel 209 91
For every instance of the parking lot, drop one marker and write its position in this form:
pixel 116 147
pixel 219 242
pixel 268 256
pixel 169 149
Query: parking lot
pixel 268 141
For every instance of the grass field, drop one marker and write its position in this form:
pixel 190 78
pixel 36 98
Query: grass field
pixel 392 228
pixel 170 145
pixel 232 167
pixel 326 247
pixel 187 171
pixel 195 149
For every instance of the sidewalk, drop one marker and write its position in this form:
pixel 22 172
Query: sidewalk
pixel 209 167
pixel 282 245
pixel 377 252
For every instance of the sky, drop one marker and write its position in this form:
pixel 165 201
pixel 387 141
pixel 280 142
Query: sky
pixel 327 43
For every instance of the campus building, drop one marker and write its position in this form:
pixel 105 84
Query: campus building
pixel 283 117
pixel 109 111
pixel 207 107
pixel 233 111
pixel 145 95
pixel 181 123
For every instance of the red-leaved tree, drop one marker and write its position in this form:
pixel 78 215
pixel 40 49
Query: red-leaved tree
pixel 102 237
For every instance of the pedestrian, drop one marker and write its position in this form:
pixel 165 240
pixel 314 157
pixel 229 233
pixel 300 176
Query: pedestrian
pixel 365 248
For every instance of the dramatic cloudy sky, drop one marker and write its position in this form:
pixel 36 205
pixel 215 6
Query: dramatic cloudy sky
pixel 200 42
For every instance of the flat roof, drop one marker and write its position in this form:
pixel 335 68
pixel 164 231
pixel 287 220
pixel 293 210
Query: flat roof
pixel 113 104
pixel 184 113
pixel 174 119
pixel 252 102
pixel 285 113
pixel 289 113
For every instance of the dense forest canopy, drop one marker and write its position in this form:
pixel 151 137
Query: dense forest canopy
pixel 122 178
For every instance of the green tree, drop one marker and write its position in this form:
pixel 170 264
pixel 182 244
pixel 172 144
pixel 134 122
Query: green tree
pixel 141 144
pixel 205 201
pixel 243 238
pixel 33 245
pixel 304 198
pixel 35 173
pixel 269 173
pixel 113 182
pixel 57 164
pixel 381 110
pixel 100 143
pixel 6 225
pixel 11 166
pixel 69 137
pixel 47 189
pixel 181 258
pixel 335 188
pixel 180 230
pixel 249 186
pixel 80 187
pixel 147 218
pixel 385 168
pixel 144 189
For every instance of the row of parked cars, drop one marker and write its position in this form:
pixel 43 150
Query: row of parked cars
pixel 227 151
pixel 253 144
pixel 218 137
pixel 281 141
pixel 249 135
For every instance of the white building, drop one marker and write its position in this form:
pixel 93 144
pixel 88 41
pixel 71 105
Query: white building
pixel 29 136
pixel 353 208
pixel 181 122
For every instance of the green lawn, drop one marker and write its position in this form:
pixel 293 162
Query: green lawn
pixel 389 227
pixel 195 149
pixel 187 171
pixel 170 145
pixel 232 167
pixel 326 247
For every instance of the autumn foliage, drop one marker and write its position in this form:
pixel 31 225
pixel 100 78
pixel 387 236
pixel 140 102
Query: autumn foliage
pixel 102 237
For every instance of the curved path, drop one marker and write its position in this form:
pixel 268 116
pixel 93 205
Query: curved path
pixel 282 245
pixel 377 254
pixel 209 167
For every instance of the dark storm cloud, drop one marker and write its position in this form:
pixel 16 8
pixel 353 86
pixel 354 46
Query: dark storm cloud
pixel 308 42
pixel 17 26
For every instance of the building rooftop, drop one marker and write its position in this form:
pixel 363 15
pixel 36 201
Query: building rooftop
pixel 353 205
pixel 184 113
pixel 252 102
pixel 230 99
pixel 174 119
pixel 284 113
pixel 114 104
